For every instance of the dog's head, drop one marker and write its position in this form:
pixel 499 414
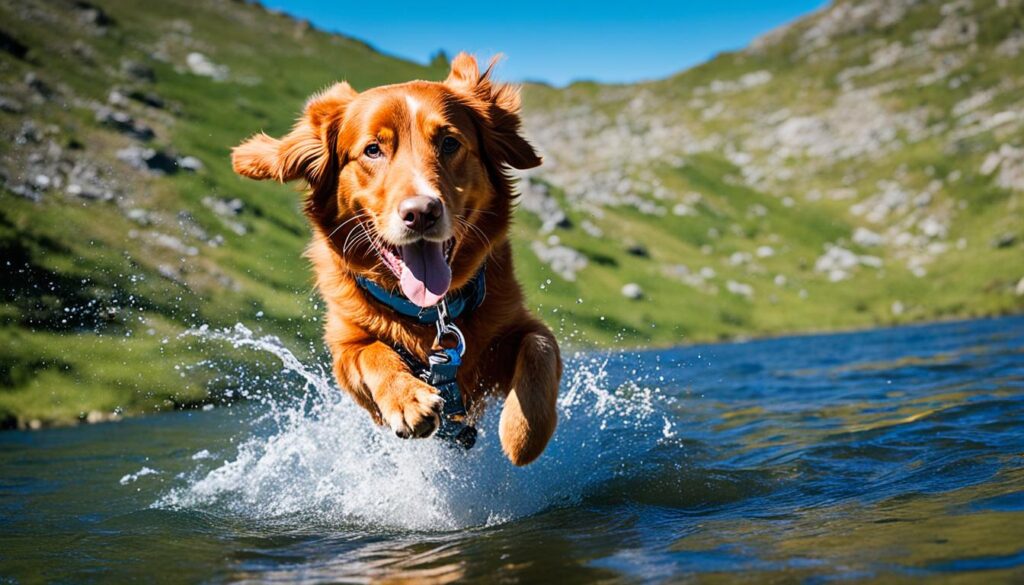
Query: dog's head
pixel 409 183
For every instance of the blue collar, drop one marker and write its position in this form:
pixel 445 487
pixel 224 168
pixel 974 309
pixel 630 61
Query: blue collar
pixel 463 301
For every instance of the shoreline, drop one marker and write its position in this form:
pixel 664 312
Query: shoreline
pixel 93 416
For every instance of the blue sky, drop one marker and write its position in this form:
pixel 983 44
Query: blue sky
pixel 558 41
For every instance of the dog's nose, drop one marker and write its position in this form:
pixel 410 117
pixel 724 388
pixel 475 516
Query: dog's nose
pixel 421 212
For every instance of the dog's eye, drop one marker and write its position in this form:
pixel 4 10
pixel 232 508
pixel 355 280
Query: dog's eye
pixel 372 150
pixel 449 145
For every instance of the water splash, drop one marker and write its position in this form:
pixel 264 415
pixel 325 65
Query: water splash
pixel 324 461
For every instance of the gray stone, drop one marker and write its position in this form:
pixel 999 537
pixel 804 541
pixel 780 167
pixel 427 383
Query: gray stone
pixel 148 159
pixel 137 70
pixel 190 163
pixel 201 65
pixel 632 291
pixel 123 122
pixel 1005 240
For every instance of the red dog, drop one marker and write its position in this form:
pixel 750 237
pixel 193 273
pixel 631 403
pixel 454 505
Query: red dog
pixel 409 191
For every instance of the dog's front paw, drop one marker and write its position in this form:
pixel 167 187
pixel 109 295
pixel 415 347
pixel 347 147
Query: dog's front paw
pixel 411 408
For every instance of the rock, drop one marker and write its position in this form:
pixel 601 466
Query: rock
pixel 170 273
pixel 682 210
pixel 764 252
pixel 1019 290
pixel 38 85
pixel 1005 240
pixel 147 97
pixel 932 227
pixel 148 159
pixel 744 82
pixel 124 123
pixel 116 98
pixel 838 263
pixel 1012 45
pixel 563 260
pixel 638 250
pixel 897 308
pixel 91 192
pixel 1009 161
pixel 739 288
pixel 89 13
pixel 172 243
pixel 83 51
pixel 740 258
pixel 224 207
pixel 190 164
pixel 591 229
pixel 954 30
pixel 200 64
pixel 12 46
pixel 139 216
pixel 632 291
pixel 85 180
pixel 10 105
pixel 137 70
pixel 536 199
pixel 867 238
pixel 191 227
pixel 97 416
pixel 683 273
pixel 757 210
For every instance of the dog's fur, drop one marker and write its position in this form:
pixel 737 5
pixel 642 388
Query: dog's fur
pixel 352 206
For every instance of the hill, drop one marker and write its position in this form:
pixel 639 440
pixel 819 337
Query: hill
pixel 122 223
pixel 861 166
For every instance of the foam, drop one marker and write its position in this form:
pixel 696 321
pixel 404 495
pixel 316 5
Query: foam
pixel 324 461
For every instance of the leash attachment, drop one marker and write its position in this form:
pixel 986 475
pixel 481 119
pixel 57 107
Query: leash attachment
pixel 449 346
pixel 443 366
pixel 440 371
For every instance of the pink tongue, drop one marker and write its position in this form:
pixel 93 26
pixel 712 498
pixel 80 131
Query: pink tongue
pixel 425 275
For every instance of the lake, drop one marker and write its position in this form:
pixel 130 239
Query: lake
pixel 889 454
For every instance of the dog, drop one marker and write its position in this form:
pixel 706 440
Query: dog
pixel 410 196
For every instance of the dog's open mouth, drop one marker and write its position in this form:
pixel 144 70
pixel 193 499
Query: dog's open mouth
pixel 421 268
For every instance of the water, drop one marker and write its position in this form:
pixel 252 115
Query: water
pixel 890 454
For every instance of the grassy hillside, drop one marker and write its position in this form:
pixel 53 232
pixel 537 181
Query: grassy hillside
pixel 862 166
pixel 107 260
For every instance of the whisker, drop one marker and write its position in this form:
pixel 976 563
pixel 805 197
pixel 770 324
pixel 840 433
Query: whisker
pixel 361 239
pixel 362 234
pixel 346 222
pixel 475 230
pixel 484 211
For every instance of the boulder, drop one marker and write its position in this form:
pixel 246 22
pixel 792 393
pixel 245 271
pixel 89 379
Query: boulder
pixel 148 159
pixel 200 64
pixel 123 122
pixel 632 291
pixel 138 70
pixel 190 164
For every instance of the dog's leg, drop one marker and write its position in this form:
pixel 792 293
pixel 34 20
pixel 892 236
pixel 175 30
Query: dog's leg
pixel 381 383
pixel 528 418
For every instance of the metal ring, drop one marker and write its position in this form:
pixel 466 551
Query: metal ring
pixel 458 333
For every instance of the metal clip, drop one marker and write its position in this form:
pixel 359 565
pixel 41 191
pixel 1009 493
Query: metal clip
pixel 445 326
pixel 444 364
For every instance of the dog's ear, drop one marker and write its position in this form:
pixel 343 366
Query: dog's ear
pixel 497 105
pixel 306 151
